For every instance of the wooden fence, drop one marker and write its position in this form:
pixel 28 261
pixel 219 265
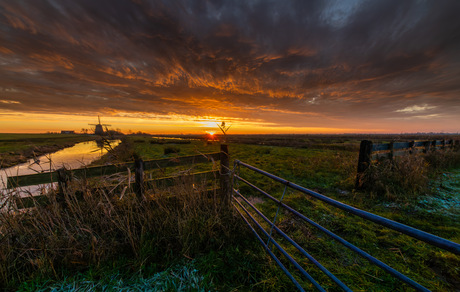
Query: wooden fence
pixel 138 167
pixel 369 152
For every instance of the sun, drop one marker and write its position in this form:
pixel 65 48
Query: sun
pixel 211 133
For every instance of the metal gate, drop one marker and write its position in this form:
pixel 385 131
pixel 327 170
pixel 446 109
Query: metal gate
pixel 421 235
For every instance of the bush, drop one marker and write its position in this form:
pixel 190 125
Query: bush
pixel 170 149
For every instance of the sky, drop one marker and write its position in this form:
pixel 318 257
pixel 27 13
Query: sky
pixel 316 66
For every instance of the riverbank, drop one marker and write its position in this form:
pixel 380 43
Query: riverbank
pixel 122 152
pixel 18 148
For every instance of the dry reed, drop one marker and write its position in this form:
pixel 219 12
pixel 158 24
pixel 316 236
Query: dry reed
pixel 91 226
pixel 407 177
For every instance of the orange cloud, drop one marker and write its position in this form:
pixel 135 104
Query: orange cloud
pixel 5 51
pixel 49 62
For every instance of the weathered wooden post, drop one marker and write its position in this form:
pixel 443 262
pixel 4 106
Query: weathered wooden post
pixel 427 146
pixel 139 178
pixel 411 147
pixel 364 161
pixel 225 182
pixel 64 178
pixel 391 148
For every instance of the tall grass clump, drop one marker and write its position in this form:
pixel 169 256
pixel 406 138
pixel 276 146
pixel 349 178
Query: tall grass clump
pixel 400 179
pixel 407 177
pixel 92 227
pixel 443 160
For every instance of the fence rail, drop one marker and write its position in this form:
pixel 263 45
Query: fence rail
pixel 413 232
pixel 390 150
pixel 138 167
pixel 95 171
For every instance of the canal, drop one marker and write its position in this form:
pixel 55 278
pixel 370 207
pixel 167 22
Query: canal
pixel 77 156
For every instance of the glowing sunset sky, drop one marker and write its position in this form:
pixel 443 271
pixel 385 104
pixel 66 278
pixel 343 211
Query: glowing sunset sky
pixel 263 66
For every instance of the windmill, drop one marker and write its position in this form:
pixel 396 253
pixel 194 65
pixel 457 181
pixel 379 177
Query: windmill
pixel 99 130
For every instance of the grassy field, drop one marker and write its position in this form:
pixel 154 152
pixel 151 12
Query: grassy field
pixel 17 148
pixel 332 172
pixel 218 252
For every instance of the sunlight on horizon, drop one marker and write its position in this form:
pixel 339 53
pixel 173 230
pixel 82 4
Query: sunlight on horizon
pixel 133 122
pixel 41 123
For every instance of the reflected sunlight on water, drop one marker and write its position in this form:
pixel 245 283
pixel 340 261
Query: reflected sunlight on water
pixel 74 157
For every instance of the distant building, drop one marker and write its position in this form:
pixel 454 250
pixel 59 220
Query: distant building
pixel 67 132
pixel 99 130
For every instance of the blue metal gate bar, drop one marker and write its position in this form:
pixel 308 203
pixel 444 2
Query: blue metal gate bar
pixel 307 255
pixel 294 262
pixel 424 236
pixel 362 253
pixel 280 264
pixel 276 215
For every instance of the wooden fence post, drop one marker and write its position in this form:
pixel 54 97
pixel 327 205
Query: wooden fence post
pixel 427 146
pixel 139 178
pixel 391 148
pixel 64 178
pixel 365 150
pixel 225 182
pixel 411 147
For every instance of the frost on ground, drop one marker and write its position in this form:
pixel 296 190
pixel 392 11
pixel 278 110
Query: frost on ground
pixel 178 278
pixel 445 197
pixel 444 200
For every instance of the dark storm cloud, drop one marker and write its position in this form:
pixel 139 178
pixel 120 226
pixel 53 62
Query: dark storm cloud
pixel 246 59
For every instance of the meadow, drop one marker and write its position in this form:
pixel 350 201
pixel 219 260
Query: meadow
pixel 182 239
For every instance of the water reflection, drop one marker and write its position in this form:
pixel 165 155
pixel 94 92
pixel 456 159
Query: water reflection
pixel 74 157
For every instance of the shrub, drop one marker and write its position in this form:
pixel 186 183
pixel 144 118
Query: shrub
pixel 170 149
